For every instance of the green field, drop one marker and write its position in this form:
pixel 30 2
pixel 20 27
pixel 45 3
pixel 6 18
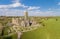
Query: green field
pixel 51 30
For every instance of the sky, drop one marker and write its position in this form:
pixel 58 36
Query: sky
pixel 34 7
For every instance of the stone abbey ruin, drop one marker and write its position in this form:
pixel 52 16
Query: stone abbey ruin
pixel 14 24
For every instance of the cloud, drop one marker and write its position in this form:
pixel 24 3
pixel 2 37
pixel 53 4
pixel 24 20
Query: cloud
pixel 3 6
pixel 50 9
pixel 18 12
pixel 11 12
pixel 33 8
pixel 43 13
pixel 5 11
pixel 58 3
pixel 16 3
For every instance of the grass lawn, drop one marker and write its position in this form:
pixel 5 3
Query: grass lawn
pixel 51 30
